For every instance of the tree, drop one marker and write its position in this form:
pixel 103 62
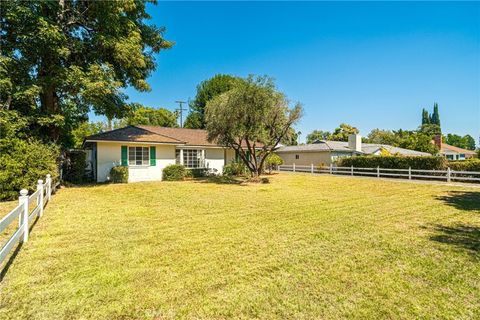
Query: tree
pixel 415 140
pixel 62 59
pixel 379 136
pixel 252 118
pixel 430 129
pixel 317 135
pixel 465 142
pixel 206 91
pixel 435 118
pixel 468 142
pixel 342 132
pixel 142 115
pixel 425 117
pixel 86 129
pixel 291 139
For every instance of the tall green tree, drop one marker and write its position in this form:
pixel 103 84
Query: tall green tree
pixel 435 118
pixel 206 91
pixel 85 129
pixel 342 132
pixel 252 118
pixel 62 59
pixel 317 135
pixel 380 136
pixel 465 142
pixel 142 115
pixel 425 117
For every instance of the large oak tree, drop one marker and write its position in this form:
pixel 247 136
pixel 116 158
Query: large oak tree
pixel 61 59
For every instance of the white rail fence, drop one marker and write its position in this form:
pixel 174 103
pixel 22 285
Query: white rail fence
pixel 40 198
pixel 447 175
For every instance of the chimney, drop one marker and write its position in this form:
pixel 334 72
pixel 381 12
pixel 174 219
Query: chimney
pixel 438 141
pixel 355 142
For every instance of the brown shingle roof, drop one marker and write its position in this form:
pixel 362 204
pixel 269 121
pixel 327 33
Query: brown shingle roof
pixel 133 134
pixel 456 149
pixel 194 137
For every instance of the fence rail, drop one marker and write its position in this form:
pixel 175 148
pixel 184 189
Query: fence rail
pixel 410 174
pixel 39 198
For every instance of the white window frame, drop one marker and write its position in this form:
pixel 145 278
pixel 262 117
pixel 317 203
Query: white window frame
pixel 185 157
pixel 144 156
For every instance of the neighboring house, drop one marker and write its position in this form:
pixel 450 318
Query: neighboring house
pixel 452 152
pixel 146 150
pixel 327 152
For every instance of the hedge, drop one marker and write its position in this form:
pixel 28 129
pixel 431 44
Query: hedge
pixel 394 162
pixel 119 174
pixel 174 172
pixel 465 165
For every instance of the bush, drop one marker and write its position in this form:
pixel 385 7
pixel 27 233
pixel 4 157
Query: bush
pixel 394 162
pixel 175 172
pixel 23 163
pixel 466 165
pixel 74 166
pixel 197 173
pixel 272 161
pixel 235 169
pixel 119 174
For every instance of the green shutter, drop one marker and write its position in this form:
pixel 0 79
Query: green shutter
pixel 153 156
pixel 124 156
pixel 248 155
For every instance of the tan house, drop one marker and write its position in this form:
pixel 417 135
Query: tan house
pixel 146 150
pixel 451 152
pixel 327 152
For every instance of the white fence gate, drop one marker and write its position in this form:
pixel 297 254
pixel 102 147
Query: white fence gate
pixel 439 175
pixel 40 198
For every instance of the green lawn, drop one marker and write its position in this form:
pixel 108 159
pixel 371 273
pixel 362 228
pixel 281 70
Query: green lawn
pixel 300 247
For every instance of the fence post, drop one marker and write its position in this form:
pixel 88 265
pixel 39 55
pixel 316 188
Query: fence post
pixel 23 220
pixel 409 173
pixel 294 167
pixel 311 168
pixel 352 170
pixel 449 174
pixel 40 197
pixel 378 171
pixel 331 168
pixel 48 182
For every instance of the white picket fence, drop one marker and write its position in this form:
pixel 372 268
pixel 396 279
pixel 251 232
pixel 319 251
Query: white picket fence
pixel 40 198
pixel 417 174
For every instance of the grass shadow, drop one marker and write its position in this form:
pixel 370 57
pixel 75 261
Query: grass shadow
pixel 14 254
pixel 222 180
pixel 463 200
pixel 463 236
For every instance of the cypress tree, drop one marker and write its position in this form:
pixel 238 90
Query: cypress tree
pixel 435 115
pixel 425 117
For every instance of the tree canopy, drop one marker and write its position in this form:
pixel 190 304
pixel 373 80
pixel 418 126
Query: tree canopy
pixel 317 135
pixel 206 91
pixel 142 115
pixel 62 59
pixel 465 142
pixel 252 118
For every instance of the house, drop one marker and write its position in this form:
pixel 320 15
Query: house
pixel 452 152
pixel 146 150
pixel 328 152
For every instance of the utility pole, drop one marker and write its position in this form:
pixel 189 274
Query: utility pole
pixel 181 109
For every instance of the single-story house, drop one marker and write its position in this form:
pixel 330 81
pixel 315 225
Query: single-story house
pixel 327 152
pixel 451 152
pixel 146 150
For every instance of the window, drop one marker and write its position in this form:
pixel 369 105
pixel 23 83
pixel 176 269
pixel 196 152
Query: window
pixel 138 156
pixel 461 156
pixel 297 156
pixel 192 158
pixel 449 156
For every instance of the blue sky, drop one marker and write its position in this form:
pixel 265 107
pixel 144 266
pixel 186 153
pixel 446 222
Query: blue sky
pixel 372 65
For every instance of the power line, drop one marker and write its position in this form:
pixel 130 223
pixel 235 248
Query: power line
pixel 181 109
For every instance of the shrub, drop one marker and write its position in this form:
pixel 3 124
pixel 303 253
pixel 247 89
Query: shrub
pixel 119 174
pixel 394 162
pixel 23 163
pixel 174 172
pixel 197 173
pixel 466 165
pixel 74 166
pixel 235 169
pixel 272 161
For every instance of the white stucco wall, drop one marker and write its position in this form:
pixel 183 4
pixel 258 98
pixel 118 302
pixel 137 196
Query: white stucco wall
pixel 215 159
